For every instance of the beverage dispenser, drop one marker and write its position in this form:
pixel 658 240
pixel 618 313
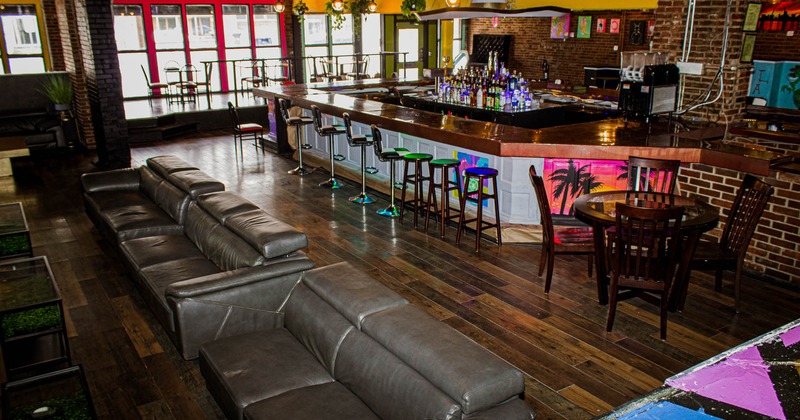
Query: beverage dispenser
pixel 648 85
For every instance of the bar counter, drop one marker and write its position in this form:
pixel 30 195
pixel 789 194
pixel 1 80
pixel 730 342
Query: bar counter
pixel 612 139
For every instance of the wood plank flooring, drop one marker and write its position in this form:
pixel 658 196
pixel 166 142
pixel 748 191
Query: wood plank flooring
pixel 573 368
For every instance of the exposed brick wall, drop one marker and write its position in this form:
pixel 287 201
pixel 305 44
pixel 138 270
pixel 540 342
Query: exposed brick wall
pixel 53 35
pixel 777 46
pixel 774 251
pixel 531 44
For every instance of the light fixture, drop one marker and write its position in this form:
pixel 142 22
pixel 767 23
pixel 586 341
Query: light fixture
pixel 279 7
pixel 338 5
pixel 372 6
pixel 451 3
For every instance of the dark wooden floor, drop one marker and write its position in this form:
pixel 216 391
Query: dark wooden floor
pixel 574 369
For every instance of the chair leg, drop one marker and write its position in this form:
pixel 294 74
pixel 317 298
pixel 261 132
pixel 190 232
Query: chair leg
pixel 591 261
pixel 543 258
pixel 612 305
pixel 390 211
pixel 664 301
pixel 403 193
pixel 497 212
pixel 479 220
pixel 551 259
pixel 718 280
pixel 737 285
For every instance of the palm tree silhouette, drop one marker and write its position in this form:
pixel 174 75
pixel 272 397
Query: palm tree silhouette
pixel 572 181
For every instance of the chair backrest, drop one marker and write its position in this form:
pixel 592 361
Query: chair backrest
pixel 746 211
pixel 146 78
pixel 657 175
pixel 283 107
pixel 234 115
pixel 548 235
pixel 645 245
pixel 317 119
pixel 377 142
pixel 348 128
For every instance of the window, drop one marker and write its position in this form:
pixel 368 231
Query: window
pixel 23 50
pixel 320 40
pixel 167 27
pixel 202 30
pixel 132 46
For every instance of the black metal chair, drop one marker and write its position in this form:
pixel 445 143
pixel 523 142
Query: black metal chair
pixel 329 131
pixel 242 131
pixel 363 142
pixel 391 156
pixel 298 123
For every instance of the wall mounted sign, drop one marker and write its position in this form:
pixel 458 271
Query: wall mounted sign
pixel 614 28
pixel 584 26
pixel 748 45
pixel 751 17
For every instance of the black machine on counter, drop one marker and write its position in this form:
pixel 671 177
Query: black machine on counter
pixel 648 86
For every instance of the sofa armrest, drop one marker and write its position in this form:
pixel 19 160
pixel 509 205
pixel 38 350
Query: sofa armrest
pixel 113 180
pixel 231 303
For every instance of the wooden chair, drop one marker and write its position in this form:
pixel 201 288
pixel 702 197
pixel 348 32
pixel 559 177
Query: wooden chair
pixel 558 239
pixel 731 249
pixel 242 131
pixel 656 175
pixel 152 87
pixel 643 257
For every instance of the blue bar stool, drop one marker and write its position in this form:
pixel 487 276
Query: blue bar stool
pixel 417 179
pixel 362 142
pixel 477 176
pixel 391 156
pixel 331 131
pixel 298 123
pixel 445 186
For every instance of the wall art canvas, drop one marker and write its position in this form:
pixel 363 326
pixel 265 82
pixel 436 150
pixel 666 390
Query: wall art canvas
pixel 614 26
pixel 782 16
pixel 601 25
pixel 559 27
pixel 584 26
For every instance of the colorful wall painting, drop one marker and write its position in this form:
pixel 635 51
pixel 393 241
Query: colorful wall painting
pixel 466 160
pixel 780 16
pixel 567 179
pixel 778 82
pixel 601 25
pixel 614 26
pixel 584 26
pixel 559 27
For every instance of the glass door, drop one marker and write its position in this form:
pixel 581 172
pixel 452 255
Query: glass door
pixel 410 40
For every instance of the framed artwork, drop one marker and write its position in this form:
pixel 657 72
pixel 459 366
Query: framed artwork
pixel 751 17
pixel 637 32
pixel 584 26
pixel 748 45
pixel 601 25
pixel 614 28
pixel 559 27
pixel 651 28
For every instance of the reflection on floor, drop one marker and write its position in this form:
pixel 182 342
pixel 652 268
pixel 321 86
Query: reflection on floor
pixel 161 106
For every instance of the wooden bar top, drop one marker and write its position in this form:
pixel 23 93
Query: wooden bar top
pixel 613 139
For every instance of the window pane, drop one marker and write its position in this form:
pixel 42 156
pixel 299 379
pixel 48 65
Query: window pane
pixel 197 59
pixel 274 52
pixel 243 69
pixel 345 34
pixel 202 32
pixel 267 29
pixel 129 28
pixel 21 30
pixel 169 59
pixel 372 44
pixel 133 82
pixel 26 65
pixel 315 29
pixel 344 50
pixel 167 27
pixel 309 63
pixel 456 28
pixel 236 24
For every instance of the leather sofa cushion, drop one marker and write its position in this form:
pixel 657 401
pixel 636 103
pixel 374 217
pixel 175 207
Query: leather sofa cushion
pixel 217 243
pixel 271 237
pixel 331 401
pixel 389 387
pixel 165 195
pixel 243 369
pixel 129 214
pixel 350 291
pixel 152 250
pixel 167 164
pixel 468 373
pixel 195 182
pixel 225 204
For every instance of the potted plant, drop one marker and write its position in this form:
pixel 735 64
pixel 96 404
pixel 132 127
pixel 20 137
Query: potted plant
pixel 337 16
pixel 59 90
pixel 300 10
pixel 409 7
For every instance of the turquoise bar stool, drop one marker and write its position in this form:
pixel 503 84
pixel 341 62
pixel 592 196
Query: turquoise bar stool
pixel 445 185
pixel 330 131
pixel 391 156
pixel 476 176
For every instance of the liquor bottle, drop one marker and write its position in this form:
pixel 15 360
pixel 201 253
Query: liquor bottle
pixel 479 100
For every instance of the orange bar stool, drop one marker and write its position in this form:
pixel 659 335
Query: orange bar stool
pixel 298 123
pixel 331 131
pixel 391 156
pixel 417 180
pixel 476 176
pixel 444 186
pixel 363 142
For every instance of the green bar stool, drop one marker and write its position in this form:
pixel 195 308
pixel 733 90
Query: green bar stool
pixel 417 179
pixel 297 122
pixel 330 131
pixel 445 186
pixel 391 156
pixel 477 176
pixel 362 142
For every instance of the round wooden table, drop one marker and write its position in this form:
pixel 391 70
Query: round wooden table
pixel 597 209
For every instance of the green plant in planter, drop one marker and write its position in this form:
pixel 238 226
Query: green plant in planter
pixel 34 320
pixel 356 9
pixel 408 7
pixel 299 9
pixel 58 89
pixel 70 407
pixel 337 16
pixel 794 79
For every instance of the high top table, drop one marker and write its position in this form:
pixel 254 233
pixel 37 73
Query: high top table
pixel 598 210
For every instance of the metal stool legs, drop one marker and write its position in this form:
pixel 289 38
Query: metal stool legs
pixel 363 198
pixel 332 182
pixel 417 180
pixel 300 170
pixel 392 210
pixel 445 185
pixel 480 174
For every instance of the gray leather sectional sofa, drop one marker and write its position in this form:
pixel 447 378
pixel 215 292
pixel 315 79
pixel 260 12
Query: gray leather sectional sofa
pixel 208 262
pixel 350 348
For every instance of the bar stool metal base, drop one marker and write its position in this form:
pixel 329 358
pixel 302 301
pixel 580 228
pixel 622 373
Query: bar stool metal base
pixel 331 183
pixel 362 198
pixel 302 171
pixel 390 211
